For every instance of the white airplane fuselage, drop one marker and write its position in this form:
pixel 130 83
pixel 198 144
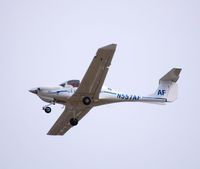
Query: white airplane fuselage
pixel 62 95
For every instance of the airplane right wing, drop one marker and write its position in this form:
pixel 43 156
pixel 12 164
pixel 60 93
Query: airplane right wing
pixel 62 125
pixel 93 80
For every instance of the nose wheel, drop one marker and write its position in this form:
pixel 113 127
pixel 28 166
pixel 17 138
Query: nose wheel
pixel 47 109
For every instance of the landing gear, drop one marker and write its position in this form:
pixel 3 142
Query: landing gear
pixel 73 121
pixel 47 109
pixel 86 100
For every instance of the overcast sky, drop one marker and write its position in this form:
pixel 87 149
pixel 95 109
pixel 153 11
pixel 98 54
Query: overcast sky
pixel 46 42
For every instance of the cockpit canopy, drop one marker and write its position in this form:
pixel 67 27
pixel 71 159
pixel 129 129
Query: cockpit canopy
pixel 74 83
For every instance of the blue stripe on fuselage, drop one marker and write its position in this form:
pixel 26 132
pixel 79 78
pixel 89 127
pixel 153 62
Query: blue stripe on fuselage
pixel 59 91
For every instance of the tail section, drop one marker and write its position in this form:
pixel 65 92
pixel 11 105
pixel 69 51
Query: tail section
pixel 168 88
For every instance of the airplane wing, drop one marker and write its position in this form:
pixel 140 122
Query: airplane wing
pixel 93 79
pixel 62 125
pixel 90 86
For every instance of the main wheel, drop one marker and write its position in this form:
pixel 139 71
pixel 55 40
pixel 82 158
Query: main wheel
pixel 73 121
pixel 86 100
pixel 47 109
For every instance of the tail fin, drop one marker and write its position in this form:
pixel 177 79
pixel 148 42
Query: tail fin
pixel 168 88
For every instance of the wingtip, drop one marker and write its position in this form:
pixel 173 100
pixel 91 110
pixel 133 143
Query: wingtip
pixel 50 134
pixel 109 47
pixel 177 71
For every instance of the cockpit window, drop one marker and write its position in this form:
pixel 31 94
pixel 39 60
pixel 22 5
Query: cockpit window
pixel 74 83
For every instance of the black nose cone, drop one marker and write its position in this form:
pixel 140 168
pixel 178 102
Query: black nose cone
pixel 34 91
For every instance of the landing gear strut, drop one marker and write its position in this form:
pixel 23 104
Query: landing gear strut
pixel 47 109
pixel 73 121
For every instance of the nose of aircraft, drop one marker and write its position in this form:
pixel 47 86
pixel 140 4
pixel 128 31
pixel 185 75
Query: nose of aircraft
pixel 35 91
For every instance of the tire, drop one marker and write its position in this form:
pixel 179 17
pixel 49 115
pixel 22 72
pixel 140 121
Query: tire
pixel 86 100
pixel 73 122
pixel 47 109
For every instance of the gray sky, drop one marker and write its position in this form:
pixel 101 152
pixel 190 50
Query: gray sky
pixel 43 43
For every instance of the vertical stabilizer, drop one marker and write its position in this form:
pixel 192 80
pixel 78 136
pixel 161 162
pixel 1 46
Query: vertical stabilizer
pixel 168 88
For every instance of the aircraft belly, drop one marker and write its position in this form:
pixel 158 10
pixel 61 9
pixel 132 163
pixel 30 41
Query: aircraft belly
pixel 61 98
pixel 58 98
pixel 46 99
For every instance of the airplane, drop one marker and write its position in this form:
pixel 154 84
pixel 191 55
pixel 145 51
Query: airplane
pixel 79 98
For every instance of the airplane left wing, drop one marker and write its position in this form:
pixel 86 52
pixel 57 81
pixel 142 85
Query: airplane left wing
pixel 93 79
pixel 62 125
